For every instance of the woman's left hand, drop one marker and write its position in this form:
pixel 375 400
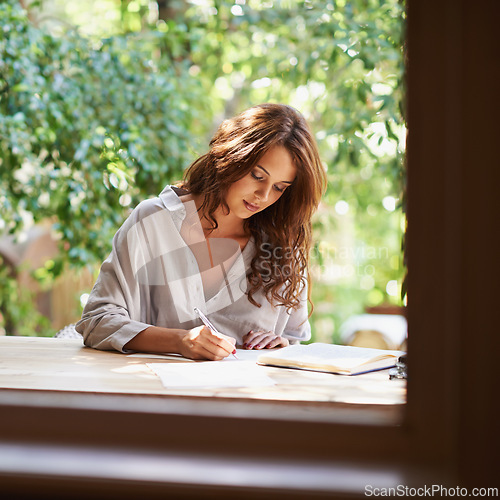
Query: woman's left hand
pixel 263 339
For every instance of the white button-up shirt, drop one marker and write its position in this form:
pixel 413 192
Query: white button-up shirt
pixel 152 277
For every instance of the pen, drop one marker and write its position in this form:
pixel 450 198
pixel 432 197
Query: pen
pixel 209 325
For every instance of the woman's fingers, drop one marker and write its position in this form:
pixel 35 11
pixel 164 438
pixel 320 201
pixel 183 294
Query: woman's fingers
pixel 262 340
pixel 202 343
pixel 198 351
pixel 223 341
pixel 253 337
pixel 248 337
pixel 278 342
pixel 218 345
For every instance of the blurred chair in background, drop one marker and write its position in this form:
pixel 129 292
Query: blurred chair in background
pixel 382 327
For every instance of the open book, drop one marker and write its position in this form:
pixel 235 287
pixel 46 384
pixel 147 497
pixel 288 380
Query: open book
pixel 342 359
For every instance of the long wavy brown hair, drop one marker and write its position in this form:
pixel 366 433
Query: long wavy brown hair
pixel 282 232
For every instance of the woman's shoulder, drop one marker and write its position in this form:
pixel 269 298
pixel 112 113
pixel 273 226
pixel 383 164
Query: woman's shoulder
pixel 148 219
pixel 169 201
pixel 148 207
pixel 151 210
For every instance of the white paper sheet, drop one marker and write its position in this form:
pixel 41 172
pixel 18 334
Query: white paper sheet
pixel 213 374
pixel 243 354
pixel 246 355
pixel 174 357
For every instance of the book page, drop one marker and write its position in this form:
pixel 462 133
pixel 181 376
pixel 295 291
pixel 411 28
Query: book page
pixel 328 357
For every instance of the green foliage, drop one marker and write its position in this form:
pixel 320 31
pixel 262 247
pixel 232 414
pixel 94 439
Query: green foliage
pixel 86 131
pixel 16 307
pixel 89 126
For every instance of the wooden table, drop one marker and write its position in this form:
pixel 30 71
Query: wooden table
pixel 51 364
pixel 73 416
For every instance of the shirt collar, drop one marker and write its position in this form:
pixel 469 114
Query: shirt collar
pixel 170 199
pixel 173 203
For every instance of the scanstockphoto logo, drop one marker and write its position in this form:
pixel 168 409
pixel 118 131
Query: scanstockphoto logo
pixel 432 490
pixel 160 256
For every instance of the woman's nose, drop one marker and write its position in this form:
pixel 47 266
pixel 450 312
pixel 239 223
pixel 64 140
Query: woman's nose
pixel 263 192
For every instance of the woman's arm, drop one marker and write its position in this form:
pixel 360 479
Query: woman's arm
pixel 198 343
pixel 119 315
pixel 112 315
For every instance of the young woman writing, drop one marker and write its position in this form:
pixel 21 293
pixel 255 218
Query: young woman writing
pixel 232 240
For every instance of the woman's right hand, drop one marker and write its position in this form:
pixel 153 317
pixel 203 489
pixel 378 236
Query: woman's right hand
pixel 202 343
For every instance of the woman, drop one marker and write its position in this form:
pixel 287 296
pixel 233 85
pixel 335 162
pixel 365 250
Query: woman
pixel 232 240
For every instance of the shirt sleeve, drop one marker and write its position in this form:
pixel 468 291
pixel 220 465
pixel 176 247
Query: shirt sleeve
pixel 112 315
pixel 297 328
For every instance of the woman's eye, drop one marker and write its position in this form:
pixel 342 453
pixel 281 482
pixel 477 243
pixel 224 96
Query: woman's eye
pixel 260 178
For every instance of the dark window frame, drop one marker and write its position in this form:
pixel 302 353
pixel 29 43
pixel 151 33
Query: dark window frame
pixel 448 419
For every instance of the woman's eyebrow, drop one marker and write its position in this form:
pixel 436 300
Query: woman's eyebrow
pixel 285 182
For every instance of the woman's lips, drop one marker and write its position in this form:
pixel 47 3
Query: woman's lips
pixel 251 206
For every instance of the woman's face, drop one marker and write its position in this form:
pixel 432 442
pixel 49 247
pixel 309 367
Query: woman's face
pixel 264 185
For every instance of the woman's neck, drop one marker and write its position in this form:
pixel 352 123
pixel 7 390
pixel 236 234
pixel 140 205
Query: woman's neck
pixel 228 225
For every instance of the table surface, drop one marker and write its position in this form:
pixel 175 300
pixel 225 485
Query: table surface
pixel 52 364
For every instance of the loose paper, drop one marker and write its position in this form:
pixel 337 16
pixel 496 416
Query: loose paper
pixel 213 374
pixel 150 355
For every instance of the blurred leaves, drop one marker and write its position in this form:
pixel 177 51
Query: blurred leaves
pixel 86 130
pixel 17 313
